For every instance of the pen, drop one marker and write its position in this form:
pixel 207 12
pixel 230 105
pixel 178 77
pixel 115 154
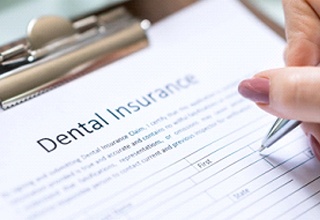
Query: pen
pixel 279 129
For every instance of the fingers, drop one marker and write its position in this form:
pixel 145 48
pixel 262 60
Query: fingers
pixel 292 93
pixel 312 131
pixel 302 32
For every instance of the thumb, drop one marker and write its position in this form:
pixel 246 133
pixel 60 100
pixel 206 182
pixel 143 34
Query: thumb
pixel 291 93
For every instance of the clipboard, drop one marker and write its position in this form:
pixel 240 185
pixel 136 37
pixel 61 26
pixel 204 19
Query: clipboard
pixel 220 148
pixel 58 50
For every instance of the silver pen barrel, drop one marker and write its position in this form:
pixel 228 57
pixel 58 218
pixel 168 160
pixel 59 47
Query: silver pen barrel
pixel 279 129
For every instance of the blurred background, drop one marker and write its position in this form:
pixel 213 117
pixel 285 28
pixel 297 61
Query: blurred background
pixel 271 8
pixel 16 14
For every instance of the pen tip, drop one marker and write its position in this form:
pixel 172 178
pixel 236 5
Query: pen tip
pixel 262 148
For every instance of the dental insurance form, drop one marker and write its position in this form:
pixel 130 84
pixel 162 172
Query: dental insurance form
pixel 161 134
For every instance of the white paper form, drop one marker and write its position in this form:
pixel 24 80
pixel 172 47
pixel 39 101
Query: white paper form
pixel 162 134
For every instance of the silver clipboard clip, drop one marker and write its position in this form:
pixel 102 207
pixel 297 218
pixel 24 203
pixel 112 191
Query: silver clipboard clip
pixel 58 50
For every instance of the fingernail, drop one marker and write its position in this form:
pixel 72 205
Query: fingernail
pixel 315 146
pixel 255 89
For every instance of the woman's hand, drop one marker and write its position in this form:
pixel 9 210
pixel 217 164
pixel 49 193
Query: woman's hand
pixel 294 92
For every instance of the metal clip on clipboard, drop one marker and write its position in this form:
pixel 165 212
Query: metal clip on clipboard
pixel 58 50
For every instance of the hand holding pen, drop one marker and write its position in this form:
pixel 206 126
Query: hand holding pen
pixel 294 92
